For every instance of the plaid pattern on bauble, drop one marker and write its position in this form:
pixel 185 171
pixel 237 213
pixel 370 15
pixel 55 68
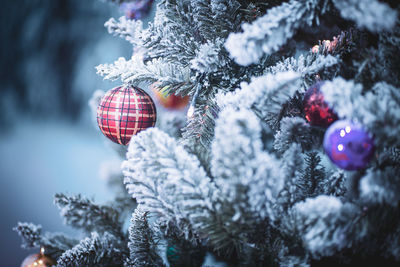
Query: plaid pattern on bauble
pixel 124 111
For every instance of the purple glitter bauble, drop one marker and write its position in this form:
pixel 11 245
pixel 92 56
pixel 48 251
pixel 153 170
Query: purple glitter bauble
pixel 348 145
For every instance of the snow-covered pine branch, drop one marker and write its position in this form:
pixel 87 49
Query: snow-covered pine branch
pixel 54 244
pixel 371 14
pixel 135 71
pixel 325 224
pixel 266 95
pixel 292 130
pixel 142 246
pixel 165 179
pixel 268 33
pixel 130 30
pixel 102 251
pixel 381 186
pixel 81 213
pixel 247 177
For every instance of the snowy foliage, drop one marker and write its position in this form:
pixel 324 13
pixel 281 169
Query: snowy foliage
pixel 126 28
pixel 305 65
pixel 381 186
pixel 245 174
pixel 95 250
pixel 142 246
pixel 32 237
pixel 372 14
pixel 334 184
pixel 135 71
pixel 269 32
pixel 292 130
pixel 323 223
pixel 209 57
pixel 80 212
pixel 265 94
pixel 165 179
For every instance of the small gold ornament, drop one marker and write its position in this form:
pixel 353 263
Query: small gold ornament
pixel 38 260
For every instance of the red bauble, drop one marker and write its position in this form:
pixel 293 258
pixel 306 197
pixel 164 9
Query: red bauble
pixel 124 111
pixel 317 111
pixel 171 101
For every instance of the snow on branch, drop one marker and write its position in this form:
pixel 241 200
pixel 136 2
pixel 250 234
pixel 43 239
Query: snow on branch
pixel 80 212
pixel 265 95
pixel 142 246
pixel 324 223
pixel 305 65
pixel 166 179
pixel 376 110
pixel 371 14
pixel 247 177
pixel 32 237
pixel 30 234
pixel 95 250
pixel 135 71
pixel 381 186
pixel 215 17
pixel 292 130
pixel 269 32
pixel 209 58
pixel 128 29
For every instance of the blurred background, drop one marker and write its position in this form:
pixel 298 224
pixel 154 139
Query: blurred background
pixel 48 141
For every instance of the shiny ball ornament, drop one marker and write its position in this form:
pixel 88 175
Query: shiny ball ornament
pixel 172 102
pixel 124 111
pixel 38 260
pixel 317 111
pixel 136 9
pixel 348 145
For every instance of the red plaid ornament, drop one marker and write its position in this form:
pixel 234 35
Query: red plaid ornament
pixel 124 111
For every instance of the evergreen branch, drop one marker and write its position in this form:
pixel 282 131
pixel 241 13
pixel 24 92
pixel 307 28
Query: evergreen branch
pixel 268 33
pixel 80 212
pixel 389 157
pixel 131 30
pixel 173 36
pixel 295 187
pixel 325 224
pixel 371 14
pixel 314 173
pixel 32 237
pixel 266 95
pixel 135 71
pixel 305 65
pixel 334 185
pixel 30 234
pixel 215 17
pixel 247 177
pixel 165 179
pixel 142 246
pixel 198 133
pixel 381 186
pixel 269 90
pixel 209 58
pixel 293 130
pixel 96 250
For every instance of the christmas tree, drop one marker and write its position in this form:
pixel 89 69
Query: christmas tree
pixel 289 154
